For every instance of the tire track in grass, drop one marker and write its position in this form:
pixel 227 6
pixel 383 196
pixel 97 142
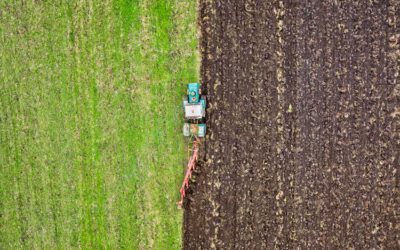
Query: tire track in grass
pixel 10 210
pixel 62 175
pixel 73 208
pixel 94 195
pixel 154 156
pixel 93 95
pixel 103 60
pixel 38 144
pixel 161 13
pixel 142 195
pixel 119 89
pixel 22 183
pixel 123 139
pixel 84 236
pixel 49 132
pixel 11 205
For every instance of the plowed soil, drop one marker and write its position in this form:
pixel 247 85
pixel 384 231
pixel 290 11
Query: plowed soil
pixel 303 123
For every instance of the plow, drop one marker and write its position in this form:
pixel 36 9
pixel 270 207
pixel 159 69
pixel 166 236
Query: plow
pixel 189 171
pixel 194 105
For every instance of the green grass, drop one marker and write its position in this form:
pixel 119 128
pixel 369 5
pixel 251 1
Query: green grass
pixel 91 151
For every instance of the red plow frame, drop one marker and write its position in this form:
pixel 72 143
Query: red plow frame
pixel 189 170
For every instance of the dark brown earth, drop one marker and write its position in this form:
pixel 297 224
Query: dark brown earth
pixel 303 123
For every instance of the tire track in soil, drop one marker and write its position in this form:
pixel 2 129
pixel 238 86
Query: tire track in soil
pixel 303 121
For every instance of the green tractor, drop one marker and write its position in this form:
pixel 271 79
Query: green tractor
pixel 195 111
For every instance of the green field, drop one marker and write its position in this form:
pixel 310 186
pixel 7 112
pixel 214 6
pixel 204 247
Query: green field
pixel 91 150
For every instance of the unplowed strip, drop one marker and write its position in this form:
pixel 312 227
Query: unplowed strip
pixel 302 149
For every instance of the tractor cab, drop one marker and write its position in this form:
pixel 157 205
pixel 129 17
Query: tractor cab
pixel 194 105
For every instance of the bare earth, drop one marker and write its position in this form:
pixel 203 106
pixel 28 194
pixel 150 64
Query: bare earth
pixel 303 123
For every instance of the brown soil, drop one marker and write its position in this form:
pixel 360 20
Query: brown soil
pixel 303 124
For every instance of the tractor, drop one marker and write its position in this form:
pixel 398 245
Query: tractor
pixel 194 105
